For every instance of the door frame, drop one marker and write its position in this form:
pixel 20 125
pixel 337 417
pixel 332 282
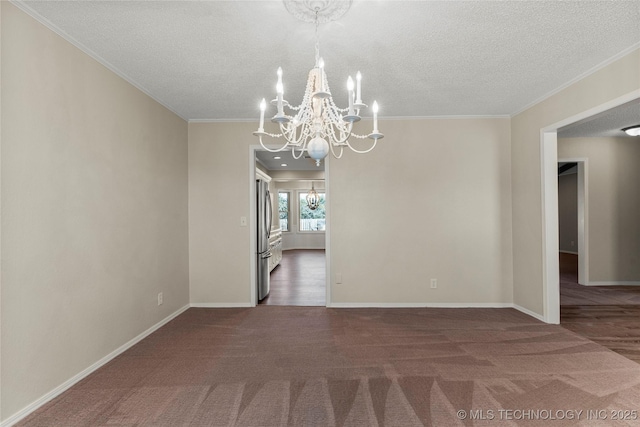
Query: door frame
pixel 253 224
pixel 549 195
pixel 583 216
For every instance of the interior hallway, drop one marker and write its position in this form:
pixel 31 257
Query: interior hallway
pixel 300 279
pixel 608 315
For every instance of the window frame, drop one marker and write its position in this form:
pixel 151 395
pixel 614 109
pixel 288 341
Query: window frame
pixel 322 193
pixel 288 211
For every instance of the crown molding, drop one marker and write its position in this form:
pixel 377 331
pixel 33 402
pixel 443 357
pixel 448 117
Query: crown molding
pixel 57 30
pixel 470 117
pixel 587 73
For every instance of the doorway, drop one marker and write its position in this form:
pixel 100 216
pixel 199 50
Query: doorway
pixel 550 235
pixel 299 272
pixel 573 224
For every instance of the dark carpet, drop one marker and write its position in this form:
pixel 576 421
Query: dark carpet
pixel 299 366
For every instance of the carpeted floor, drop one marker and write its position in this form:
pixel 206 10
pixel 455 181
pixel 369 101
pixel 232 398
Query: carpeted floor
pixel 297 366
pixel 608 315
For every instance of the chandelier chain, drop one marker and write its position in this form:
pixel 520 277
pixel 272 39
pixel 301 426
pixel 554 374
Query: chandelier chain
pixel 317 39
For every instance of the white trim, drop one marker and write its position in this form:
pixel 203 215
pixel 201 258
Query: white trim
pixel 583 221
pixel 364 119
pixel 253 228
pixel 442 117
pixel 261 175
pixel 568 252
pixel 550 239
pixel 622 99
pixel 308 248
pixel 583 216
pixel 612 283
pixel 84 373
pixel 220 304
pixel 530 313
pixel 549 168
pixel 60 32
pixel 576 79
pixel 327 231
pixel 223 120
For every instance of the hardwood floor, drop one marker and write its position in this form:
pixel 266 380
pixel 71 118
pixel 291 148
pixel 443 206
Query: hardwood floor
pixel 608 315
pixel 300 279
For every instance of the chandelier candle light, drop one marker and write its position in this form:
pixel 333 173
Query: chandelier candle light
pixel 317 125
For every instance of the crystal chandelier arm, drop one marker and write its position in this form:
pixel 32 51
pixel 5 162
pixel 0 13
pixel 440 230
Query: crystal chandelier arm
pixel 337 156
pixel 269 149
pixel 293 152
pixel 375 141
pixel 346 132
pixel 289 133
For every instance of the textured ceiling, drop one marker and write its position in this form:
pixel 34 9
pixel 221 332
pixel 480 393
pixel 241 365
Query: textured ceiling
pixel 217 59
pixel 274 161
pixel 608 123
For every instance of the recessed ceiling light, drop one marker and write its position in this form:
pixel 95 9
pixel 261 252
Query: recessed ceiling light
pixel 283 165
pixel 277 158
pixel 632 130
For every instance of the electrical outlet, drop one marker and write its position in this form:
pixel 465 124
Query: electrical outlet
pixel 243 221
pixel 573 243
pixel 434 283
pixel 160 299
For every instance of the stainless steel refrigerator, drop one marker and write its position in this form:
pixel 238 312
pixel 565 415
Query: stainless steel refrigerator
pixel 263 205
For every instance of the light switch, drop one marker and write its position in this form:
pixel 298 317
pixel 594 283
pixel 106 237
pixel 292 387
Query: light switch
pixel 243 221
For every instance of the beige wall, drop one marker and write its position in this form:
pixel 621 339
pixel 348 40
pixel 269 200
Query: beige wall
pixel 613 81
pixel 94 211
pixel 568 212
pixel 432 200
pixel 614 205
pixel 219 257
pixel 95 208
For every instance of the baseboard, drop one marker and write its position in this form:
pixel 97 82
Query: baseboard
pixel 612 284
pixel 418 305
pixel 220 304
pixel 529 312
pixel 76 378
pixel 568 252
pixel 303 248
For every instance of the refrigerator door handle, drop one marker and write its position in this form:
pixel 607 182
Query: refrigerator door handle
pixel 268 215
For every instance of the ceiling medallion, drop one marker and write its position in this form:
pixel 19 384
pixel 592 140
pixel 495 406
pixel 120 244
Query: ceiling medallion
pixel 321 10
pixel 317 126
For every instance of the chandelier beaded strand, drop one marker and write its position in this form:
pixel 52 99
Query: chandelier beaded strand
pixel 318 119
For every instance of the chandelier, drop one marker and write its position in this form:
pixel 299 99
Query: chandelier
pixel 318 126
pixel 313 198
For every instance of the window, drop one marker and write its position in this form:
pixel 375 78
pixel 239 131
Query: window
pixel 283 210
pixel 311 220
